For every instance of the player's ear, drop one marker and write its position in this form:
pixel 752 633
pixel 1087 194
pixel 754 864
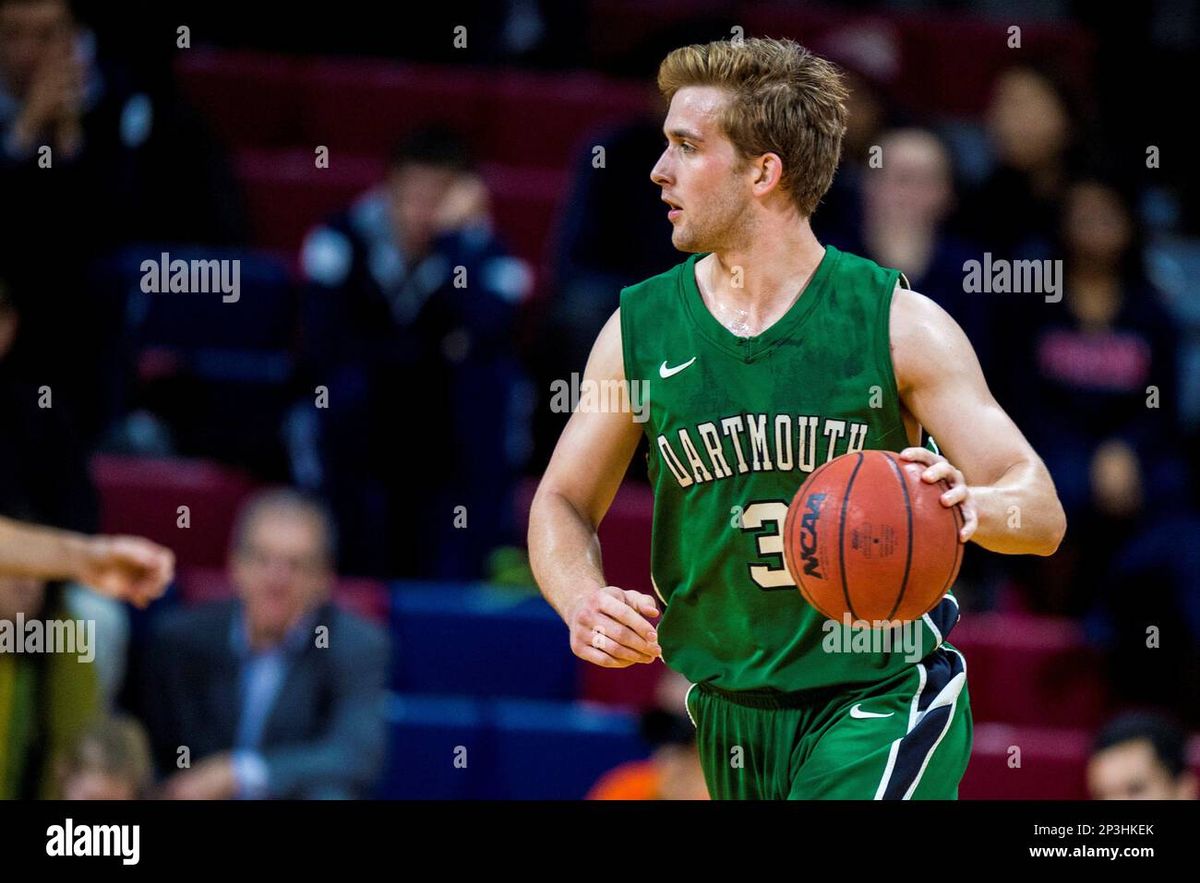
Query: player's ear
pixel 769 168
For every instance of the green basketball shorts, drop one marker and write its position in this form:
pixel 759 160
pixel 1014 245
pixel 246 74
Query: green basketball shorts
pixel 906 737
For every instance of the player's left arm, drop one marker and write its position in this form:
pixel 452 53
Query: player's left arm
pixel 1008 498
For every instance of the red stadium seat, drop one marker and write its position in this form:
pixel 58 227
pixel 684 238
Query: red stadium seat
pixel 1035 763
pixel 1052 763
pixel 249 98
pixel 286 194
pixel 1030 670
pixel 538 120
pixel 142 496
pixel 525 205
pixel 367 106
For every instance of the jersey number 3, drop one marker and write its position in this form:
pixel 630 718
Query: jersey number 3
pixel 765 519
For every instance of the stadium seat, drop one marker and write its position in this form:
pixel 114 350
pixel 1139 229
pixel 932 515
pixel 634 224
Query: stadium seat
pixel 1035 763
pixel 250 98
pixel 367 106
pixel 426 736
pixel 261 318
pixel 478 640
pixel 1030 670
pixel 455 747
pixel 140 495
pixel 554 751
pixel 286 194
pixel 582 105
pixel 214 367
pixel 525 206
pixel 1026 763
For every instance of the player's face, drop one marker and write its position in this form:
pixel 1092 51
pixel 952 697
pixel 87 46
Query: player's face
pixel 1129 771
pixel 282 571
pixel 705 182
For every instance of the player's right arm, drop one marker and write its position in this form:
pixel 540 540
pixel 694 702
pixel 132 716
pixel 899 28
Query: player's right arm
pixel 609 626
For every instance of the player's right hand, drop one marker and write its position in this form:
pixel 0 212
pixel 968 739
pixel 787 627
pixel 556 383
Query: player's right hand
pixel 609 627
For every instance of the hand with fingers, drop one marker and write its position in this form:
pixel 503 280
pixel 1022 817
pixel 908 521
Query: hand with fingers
pixel 610 627
pixel 127 568
pixel 957 494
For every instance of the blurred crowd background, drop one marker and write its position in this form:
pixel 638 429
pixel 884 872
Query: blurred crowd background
pixel 349 447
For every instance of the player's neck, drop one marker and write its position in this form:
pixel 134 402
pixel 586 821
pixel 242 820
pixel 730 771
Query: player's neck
pixel 765 270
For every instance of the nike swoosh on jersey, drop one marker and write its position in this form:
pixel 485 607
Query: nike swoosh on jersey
pixel 857 712
pixel 664 372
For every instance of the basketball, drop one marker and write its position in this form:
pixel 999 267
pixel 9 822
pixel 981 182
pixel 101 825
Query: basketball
pixel 865 536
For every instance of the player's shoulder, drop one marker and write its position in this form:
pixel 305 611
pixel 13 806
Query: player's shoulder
pixel 660 285
pixel 860 271
pixel 916 313
pixel 924 338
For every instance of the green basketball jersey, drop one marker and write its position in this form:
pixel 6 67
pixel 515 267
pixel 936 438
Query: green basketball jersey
pixel 735 425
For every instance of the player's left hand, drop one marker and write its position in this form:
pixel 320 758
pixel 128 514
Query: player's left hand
pixel 127 568
pixel 959 494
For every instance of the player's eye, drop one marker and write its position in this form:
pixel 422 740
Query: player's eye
pixel 686 148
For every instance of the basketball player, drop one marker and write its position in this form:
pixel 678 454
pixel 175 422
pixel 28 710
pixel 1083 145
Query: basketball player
pixel 764 355
pixel 127 568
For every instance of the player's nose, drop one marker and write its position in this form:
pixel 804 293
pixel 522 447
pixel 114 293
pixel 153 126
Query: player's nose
pixel 658 174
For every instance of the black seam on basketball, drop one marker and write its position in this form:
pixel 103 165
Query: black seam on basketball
pixel 959 521
pixel 787 538
pixel 908 512
pixel 788 521
pixel 842 539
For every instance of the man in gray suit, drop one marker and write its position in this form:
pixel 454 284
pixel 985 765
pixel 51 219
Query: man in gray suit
pixel 277 693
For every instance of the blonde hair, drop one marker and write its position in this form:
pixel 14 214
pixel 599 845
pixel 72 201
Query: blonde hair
pixel 783 100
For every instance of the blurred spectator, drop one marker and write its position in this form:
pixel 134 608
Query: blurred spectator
pixel 409 324
pixel 129 161
pixel 1034 123
pixel 673 770
pixel 278 693
pixel 1141 756
pixel 109 761
pixel 89 160
pixel 867 54
pixel 1098 375
pixel 1145 615
pixel 906 201
pixel 46 697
